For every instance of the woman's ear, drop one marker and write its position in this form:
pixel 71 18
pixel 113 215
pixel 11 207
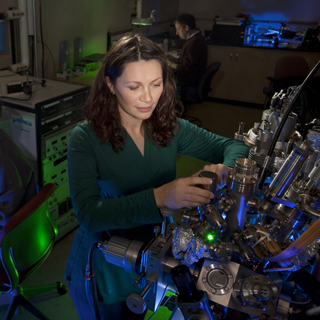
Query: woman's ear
pixel 110 85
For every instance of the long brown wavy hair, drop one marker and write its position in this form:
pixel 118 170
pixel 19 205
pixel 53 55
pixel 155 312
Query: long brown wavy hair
pixel 102 110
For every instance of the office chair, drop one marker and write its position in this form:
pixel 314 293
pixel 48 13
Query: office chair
pixel 289 71
pixel 198 94
pixel 26 241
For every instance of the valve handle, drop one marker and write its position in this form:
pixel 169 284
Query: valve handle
pixel 136 303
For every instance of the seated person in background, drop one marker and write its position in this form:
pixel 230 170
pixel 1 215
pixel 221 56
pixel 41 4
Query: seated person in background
pixel 17 179
pixel 122 167
pixel 192 63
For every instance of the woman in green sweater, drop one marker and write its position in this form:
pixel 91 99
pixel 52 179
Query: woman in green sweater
pixel 122 166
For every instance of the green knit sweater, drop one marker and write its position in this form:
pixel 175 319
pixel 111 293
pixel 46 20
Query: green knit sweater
pixel 112 194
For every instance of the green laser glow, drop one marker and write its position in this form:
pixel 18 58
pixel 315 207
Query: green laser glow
pixel 210 237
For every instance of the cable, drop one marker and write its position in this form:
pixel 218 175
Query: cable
pixel 281 125
pixel 287 113
pixel 30 96
pixel 41 35
pixel 54 68
pixel 295 302
pixel 91 290
pixel 275 115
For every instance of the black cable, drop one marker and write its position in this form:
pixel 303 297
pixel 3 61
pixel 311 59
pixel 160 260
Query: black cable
pixel 93 282
pixel 42 43
pixel 282 123
pixel 308 283
pixel 30 96
pixel 287 113
pixel 32 39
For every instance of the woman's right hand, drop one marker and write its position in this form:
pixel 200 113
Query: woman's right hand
pixel 183 193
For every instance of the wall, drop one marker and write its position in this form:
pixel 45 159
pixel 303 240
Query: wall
pixel 91 20
pixel 5 56
pixel 307 11
pixel 68 19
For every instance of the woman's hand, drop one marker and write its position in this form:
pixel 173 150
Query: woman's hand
pixel 183 192
pixel 221 170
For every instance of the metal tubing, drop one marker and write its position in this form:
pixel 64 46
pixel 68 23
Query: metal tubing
pixel 289 170
pixel 236 218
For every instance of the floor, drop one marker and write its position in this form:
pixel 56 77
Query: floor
pixel 223 118
pixel 220 118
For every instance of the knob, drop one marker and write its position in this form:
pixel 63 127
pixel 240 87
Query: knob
pixel 136 303
pixel 156 231
pixel 213 176
pixel 167 212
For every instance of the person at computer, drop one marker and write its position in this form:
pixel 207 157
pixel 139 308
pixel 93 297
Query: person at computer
pixel 192 62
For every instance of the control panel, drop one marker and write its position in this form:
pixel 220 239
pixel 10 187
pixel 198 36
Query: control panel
pixel 41 127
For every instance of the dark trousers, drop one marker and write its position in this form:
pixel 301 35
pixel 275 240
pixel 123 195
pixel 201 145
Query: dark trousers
pixel 114 311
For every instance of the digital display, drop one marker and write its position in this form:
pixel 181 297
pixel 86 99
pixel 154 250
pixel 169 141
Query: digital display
pixel 14 88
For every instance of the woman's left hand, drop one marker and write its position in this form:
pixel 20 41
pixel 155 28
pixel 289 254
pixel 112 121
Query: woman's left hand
pixel 221 170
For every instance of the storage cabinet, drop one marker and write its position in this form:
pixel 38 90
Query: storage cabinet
pixel 241 74
pixel 244 71
pixel 311 57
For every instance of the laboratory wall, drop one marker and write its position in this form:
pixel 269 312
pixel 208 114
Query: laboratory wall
pixel 5 56
pixel 91 20
pixel 65 20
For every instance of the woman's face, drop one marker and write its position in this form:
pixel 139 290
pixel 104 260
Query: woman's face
pixel 138 90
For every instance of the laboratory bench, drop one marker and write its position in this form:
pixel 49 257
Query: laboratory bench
pixel 244 66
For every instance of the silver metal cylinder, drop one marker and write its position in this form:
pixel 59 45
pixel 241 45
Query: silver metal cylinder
pixel 241 184
pixel 309 165
pixel 289 170
pixel 314 179
pixel 211 175
pixel 242 178
pixel 215 218
pixel 239 135
pixel 123 253
pixel 288 128
pixel 295 220
pixel 257 291
pixel 259 152
pixel 236 218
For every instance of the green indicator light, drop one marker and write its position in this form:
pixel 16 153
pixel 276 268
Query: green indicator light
pixel 210 237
